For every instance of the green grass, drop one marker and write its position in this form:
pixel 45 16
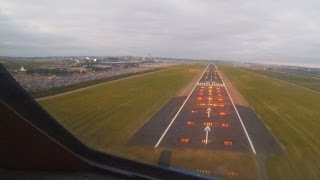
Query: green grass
pixel 302 79
pixel 104 118
pixel 109 114
pixel 292 113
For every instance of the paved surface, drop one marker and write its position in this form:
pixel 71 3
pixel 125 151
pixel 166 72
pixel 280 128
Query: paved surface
pixel 195 127
pixel 179 124
pixel 152 130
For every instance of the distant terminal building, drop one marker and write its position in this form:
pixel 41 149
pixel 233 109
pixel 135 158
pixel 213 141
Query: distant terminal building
pixel 148 60
pixel 121 64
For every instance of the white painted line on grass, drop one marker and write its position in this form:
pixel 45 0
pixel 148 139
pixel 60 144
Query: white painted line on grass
pixel 174 118
pixel 244 128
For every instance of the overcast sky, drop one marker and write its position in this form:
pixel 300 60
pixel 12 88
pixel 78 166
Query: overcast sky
pixel 249 30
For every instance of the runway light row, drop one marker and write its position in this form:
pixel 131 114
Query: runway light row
pixel 214 105
pixel 227 143
pixel 184 140
pixel 208 123
pixel 224 125
pixel 204 171
pixel 204 141
pixel 232 173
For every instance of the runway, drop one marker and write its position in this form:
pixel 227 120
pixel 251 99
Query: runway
pixel 207 119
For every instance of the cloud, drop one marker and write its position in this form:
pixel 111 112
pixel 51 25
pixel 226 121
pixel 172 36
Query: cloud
pixel 259 31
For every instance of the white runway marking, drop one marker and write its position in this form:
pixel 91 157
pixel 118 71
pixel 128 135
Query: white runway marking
pixel 174 118
pixel 244 128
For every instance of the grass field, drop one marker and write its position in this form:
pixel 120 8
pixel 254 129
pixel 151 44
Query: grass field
pixel 292 113
pixel 302 79
pixel 104 117
pixel 109 114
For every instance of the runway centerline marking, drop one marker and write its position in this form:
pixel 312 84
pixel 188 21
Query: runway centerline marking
pixel 174 118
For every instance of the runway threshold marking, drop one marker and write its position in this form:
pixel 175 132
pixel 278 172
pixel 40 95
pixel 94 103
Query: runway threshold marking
pixel 244 128
pixel 174 118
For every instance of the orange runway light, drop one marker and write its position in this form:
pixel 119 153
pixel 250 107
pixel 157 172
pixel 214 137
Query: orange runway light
pixel 224 125
pixel 190 123
pixel 232 173
pixel 210 87
pixel 194 111
pixel 199 98
pixel 227 143
pixel 202 87
pixel 208 123
pixel 184 140
pixel 222 113
pixel 220 99
pixel 218 91
pixel 202 104
pixel 217 88
pixel 200 94
pixel 219 95
pixel 201 90
pixel 204 141
pixel 221 105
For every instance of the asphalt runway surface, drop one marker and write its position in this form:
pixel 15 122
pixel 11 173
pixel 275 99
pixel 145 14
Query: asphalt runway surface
pixel 150 132
pixel 206 120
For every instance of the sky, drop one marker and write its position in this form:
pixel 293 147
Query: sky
pixel 266 31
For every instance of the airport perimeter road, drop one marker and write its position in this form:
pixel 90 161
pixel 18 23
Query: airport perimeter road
pixel 207 119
